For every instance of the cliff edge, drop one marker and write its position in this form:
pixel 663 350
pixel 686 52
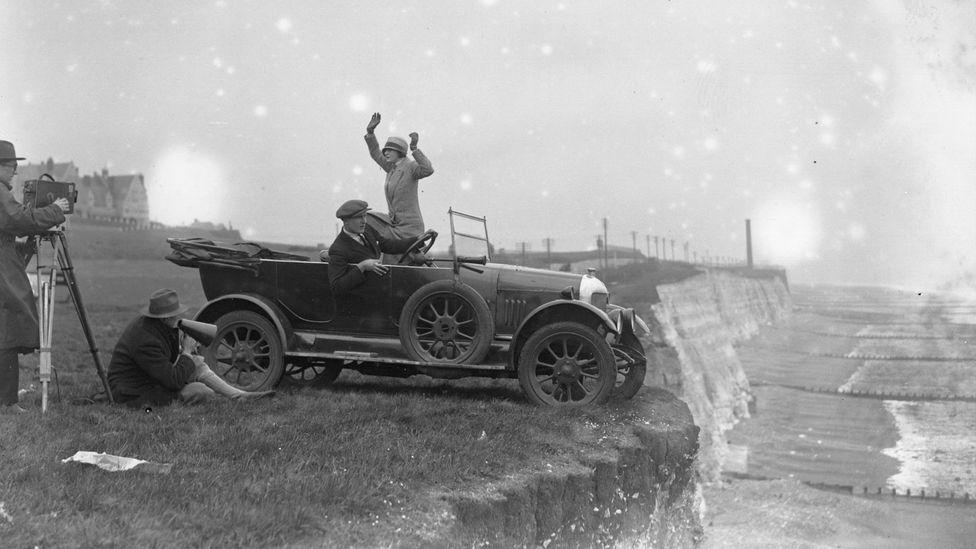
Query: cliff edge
pixel 697 323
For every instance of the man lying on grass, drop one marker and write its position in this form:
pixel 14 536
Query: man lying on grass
pixel 151 366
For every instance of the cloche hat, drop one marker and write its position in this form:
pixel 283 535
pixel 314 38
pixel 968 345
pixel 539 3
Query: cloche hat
pixel 397 144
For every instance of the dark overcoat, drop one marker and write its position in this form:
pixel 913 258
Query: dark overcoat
pixel 18 308
pixel 148 356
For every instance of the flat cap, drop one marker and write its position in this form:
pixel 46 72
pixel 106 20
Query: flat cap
pixel 352 208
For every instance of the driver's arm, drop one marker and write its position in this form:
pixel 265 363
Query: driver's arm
pixel 343 276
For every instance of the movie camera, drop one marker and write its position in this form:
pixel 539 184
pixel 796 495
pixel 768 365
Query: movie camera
pixel 41 192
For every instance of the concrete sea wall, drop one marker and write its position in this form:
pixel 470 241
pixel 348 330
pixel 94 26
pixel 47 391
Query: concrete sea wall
pixel 696 324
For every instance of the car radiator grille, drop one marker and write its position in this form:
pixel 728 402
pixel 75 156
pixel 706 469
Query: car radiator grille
pixel 512 311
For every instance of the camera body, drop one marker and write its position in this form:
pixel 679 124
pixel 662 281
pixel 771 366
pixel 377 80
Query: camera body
pixel 41 192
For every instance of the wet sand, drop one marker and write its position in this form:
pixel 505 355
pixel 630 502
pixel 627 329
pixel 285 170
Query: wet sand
pixel 867 388
pixel 787 514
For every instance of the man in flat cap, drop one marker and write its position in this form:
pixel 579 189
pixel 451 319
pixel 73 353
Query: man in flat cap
pixel 402 176
pixel 356 251
pixel 19 332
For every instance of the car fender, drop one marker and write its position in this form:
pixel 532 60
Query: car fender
pixel 564 309
pixel 216 308
pixel 627 321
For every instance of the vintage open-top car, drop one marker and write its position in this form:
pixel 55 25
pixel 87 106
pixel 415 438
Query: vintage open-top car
pixel 449 317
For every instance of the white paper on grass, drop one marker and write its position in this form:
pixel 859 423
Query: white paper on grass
pixel 113 463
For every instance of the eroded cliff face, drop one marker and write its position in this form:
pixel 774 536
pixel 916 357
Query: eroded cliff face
pixel 635 487
pixel 697 323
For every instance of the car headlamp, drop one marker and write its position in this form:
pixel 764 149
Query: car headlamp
pixel 594 291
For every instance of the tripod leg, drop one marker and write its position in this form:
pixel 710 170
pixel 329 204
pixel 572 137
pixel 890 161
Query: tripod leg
pixel 64 261
pixel 46 321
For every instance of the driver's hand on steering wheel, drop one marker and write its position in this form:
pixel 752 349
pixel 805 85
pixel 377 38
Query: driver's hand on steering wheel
pixel 373 265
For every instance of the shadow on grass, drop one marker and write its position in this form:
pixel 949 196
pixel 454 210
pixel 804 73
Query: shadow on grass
pixel 471 389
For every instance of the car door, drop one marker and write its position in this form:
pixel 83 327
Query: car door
pixel 303 291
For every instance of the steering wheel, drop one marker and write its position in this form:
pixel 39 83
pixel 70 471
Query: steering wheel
pixel 423 244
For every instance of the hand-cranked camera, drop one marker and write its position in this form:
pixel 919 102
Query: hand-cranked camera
pixel 41 192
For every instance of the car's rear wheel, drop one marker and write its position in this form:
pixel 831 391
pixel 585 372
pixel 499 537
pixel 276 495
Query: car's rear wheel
pixel 567 364
pixel 446 322
pixel 316 374
pixel 247 351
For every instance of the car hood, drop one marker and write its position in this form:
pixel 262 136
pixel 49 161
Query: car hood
pixel 515 277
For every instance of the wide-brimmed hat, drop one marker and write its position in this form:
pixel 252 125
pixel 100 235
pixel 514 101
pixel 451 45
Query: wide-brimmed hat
pixel 7 152
pixel 352 208
pixel 397 144
pixel 164 304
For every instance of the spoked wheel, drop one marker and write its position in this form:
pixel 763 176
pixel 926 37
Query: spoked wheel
pixel 313 374
pixel 247 351
pixel 631 368
pixel 447 322
pixel 567 364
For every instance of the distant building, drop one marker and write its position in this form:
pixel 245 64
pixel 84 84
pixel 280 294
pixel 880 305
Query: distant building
pixel 120 199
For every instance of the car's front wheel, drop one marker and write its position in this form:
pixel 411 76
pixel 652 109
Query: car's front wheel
pixel 631 368
pixel 247 351
pixel 567 364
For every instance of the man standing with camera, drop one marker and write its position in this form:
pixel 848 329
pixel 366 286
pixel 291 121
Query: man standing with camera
pixel 19 332
pixel 152 366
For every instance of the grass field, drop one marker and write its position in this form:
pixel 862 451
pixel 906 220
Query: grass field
pixel 366 463
pixel 359 465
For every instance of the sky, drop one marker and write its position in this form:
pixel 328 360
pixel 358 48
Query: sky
pixel 844 131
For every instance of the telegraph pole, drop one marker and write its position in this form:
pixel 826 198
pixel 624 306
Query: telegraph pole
pixel 522 245
pixel 606 256
pixel 672 250
pixel 749 243
pixel 599 250
pixel 657 254
pixel 548 243
pixel 633 237
pixel 648 246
